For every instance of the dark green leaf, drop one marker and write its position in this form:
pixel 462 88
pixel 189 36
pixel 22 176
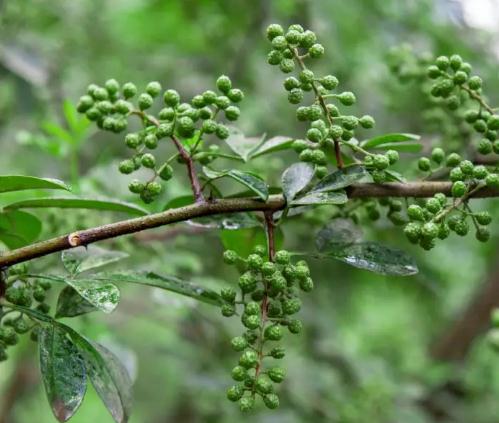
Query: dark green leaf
pixel 109 378
pixel 404 147
pixel 341 178
pixel 254 183
pixel 311 198
pixel 388 138
pixel 373 257
pixel 295 178
pixel 103 295
pixel 272 145
pixel 18 228
pixel 63 372
pixel 339 231
pixel 227 221
pixel 169 283
pixel 71 304
pixel 79 203
pixel 394 176
pixel 240 144
pixel 175 203
pixel 80 259
pixel 19 183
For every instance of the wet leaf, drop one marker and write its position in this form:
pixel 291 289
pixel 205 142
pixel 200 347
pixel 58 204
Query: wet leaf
pixel 295 178
pixel 80 259
pixel 63 372
pixel 317 198
pixel 373 257
pixel 79 203
pixel 240 144
pixel 388 138
pixel 339 231
pixel 108 376
pixel 71 304
pixel 227 221
pixel 341 178
pixel 18 228
pixel 104 296
pixel 254 183
pixel 166 282
pixel 19 183
pixel 272 145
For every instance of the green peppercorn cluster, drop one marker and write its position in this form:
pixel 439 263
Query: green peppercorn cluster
pixel 493 334
pixel 328 125
pixel 184 122
pixel 267 302
pixel 25 292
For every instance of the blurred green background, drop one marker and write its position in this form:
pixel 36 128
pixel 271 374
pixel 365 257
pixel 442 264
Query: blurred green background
pixel 375 349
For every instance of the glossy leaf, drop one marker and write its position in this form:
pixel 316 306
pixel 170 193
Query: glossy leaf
pixel 70 304
pixel 373 257
pixel 103 295
pixel 272 145
pixel 227 221
pixel 240 144
pixel 254 183
pixel 79 203
pixel 295 178
pixel 341 178
pixel 394 176
pixel 403 147
pixel 18 228
pixel 63 371
pixel 108 376
pixel 81 259
pixel 339 231
pixel 166 282
pixel 20 182
pixel 177 202
pixel 388 138
pixel 317 198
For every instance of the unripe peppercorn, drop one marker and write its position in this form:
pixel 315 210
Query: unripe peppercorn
pixel 85 103
pixel 316 51
pixel 329 82
pixel 273 333
pixel 276 374
pixel 442 62
pixel 438 155
pixel 263 385
pixel 415 212
pixel 222 132
pixel 480 172
pixel 230 256
pixel 251 321
pixel 271 401
pixel 319 157
pixel 413 232
pixel 293 37
pixel 380 161
pixel 492 180
pixel 306 76
pixel 424 164
pixel 148 160
pixel 247 283
pixel 347 98
pixel 227 310
pixel 274 58
pixel 453 160
pixel 268 268
pixel 467 167
pixel 252 308
pixel 145 101
pixel 274 30
pixel 295 326
pixel 239 343
pixel 235 95
pixel 461 228
pixel 433 205
pixel 246 404
pixel 349 122
pixel 129 90
pixel 136 186
pixel 482 234
pixel 132 140
pixel 308 38
pixel 460 77
pixel 475 83
pixel 314 135
pixel 483 218
pixel 429 230
pixel 255 261
pixel 458 189
pixel 151 141
pixel 277 353
pixel 456 174
pixel 232 113
pixel 171 98
pixel 153 88
pixel 248 359
pixel 291 306
pixel 295 96
pixel 287 66
pixel 367 122
pixel 314 112
pixel 224 84
pixel 282 257
pixel 126 167
pixel 235 393
pixel 239 373
pixel 185 126
pixel 393 156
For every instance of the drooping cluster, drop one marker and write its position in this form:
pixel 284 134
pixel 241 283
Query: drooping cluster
pixel 184 123
pixel 329 127
pixel 24 292
pixel 267 301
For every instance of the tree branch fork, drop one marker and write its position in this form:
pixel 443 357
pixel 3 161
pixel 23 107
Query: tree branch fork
pixel 217 207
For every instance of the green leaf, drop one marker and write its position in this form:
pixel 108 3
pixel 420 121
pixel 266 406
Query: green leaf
pixel 341 178
pixel 316 198
pixel 63 372
pixel 295 178
pixel 403 147
pixel 272 145
pixel 71 304
pixel 166 282
pixel 19 183
pixel 254 183
pixel 80 259
pixel 230 221
pixel 373 257
pixel 388 138
pixel 175 203
pixel 109 378
pixel 78 203
pixel 339 231
pixel 394 176
pixel 57 131
pixel 240 144
pixel 102 295
pixel 18 228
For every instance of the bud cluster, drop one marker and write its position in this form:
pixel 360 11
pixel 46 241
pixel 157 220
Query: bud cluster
pixel 267 303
